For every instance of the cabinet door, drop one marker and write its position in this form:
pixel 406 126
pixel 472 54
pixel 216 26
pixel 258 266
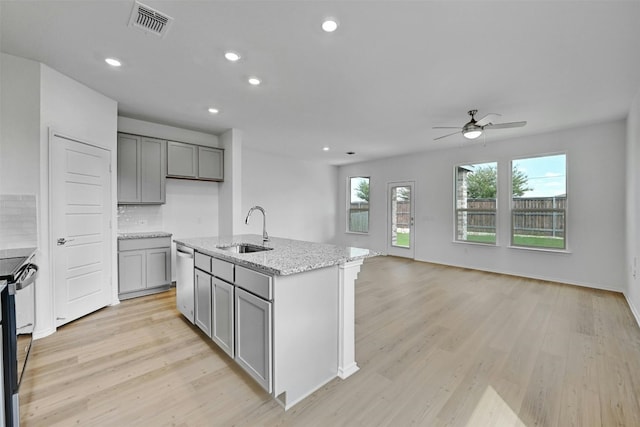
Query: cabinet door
pixel 203 301
pixel 253 337
pixel 158 267
pixel 222 327
pixel 153 170
pixel 131 271
pixel 128 169
pixel 182 160
pixel 210 163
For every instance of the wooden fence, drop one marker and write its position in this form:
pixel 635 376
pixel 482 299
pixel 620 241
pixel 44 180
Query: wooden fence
pixel 537 216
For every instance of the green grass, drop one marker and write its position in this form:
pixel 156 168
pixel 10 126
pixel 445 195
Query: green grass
pixel 402 239
pixel 518 240
pixel 539 241
pixel 521 240
pixel 481 238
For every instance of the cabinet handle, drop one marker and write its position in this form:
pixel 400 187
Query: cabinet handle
pixel 184 254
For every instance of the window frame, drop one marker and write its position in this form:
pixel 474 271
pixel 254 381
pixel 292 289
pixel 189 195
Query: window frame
pixel 564 211
pixel 349 202
pixel 457 210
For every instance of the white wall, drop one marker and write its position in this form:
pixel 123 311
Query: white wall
pixel 36 98
pixel 157 130
pixel 74 110
pixel 299 196
pixel 231 189
pixel 191 208
pixel 632 291
pixel 595 218
pixel 20 125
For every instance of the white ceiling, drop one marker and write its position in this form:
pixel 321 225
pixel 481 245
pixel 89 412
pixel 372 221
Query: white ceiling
pixel 376 86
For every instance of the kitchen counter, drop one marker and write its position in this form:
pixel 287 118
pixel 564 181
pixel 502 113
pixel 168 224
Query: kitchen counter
pixel 287 256
pixel 143 235
pixel 285 315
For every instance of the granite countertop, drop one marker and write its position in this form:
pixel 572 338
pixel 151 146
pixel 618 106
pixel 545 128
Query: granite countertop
pixel 143 235
pixel 287 257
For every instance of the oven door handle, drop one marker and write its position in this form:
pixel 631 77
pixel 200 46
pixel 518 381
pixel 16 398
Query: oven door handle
pixel 30 276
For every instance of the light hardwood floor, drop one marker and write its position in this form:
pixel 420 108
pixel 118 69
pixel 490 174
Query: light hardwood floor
pixel 436 346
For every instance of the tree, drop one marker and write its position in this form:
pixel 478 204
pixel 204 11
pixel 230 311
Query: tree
pixel 481 183
pixel 362 190
pixel 519 181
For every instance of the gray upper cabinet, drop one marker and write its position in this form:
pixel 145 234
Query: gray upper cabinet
pixel 141 169
pixel 210 163
pixel 128 170
pixel 182 160
pixel 194 162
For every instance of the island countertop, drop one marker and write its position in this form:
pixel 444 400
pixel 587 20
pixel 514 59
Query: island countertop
pixel 287 257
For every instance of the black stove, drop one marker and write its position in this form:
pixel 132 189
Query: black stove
pixel 12 261
pixel 17 314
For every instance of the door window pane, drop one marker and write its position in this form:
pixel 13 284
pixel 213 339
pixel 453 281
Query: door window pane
pixel 358 209
pixel 401 216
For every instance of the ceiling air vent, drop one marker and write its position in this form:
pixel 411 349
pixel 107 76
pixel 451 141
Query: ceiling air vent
pixel 149 20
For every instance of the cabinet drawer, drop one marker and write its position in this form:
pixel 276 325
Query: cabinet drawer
pixel 222 269
pixel 254 282
pixel 145 243
pixel 203 262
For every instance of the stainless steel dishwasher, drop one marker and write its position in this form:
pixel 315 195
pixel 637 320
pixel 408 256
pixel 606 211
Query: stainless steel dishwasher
pixel 184 281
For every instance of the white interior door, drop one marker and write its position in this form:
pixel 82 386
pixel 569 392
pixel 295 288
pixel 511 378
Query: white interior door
pixel 400 223
pixel 80 200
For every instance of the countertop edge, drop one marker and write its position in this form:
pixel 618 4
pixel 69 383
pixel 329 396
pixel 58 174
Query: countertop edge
pixel 220 254
pixel 142 235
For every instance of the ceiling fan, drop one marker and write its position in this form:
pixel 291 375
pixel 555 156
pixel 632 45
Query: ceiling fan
pixel 474 128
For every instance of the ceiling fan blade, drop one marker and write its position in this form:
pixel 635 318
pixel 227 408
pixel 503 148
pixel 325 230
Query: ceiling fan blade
pixel 505 125
pixel 487 119
pixel 444 136
pixel 446 127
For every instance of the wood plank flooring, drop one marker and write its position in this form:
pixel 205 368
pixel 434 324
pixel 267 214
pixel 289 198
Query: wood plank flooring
pixel 436 346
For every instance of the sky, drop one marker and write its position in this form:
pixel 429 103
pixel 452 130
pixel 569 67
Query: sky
pixel 547 175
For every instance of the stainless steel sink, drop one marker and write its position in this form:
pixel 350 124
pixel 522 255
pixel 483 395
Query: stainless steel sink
pixel 244 248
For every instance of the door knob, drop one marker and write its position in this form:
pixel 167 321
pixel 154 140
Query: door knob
pixel 62 241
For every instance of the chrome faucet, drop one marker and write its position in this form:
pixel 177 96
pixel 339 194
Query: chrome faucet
pixel 265 236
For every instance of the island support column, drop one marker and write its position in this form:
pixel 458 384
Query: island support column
pixel 348 272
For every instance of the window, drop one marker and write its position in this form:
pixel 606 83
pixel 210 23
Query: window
pixel 476 189
pixel 539 202
pixel 358 215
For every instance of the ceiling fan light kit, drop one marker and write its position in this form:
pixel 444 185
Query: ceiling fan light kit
pixel 474 128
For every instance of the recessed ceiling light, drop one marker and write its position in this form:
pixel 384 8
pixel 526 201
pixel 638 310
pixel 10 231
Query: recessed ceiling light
pixel 325 148
pixel 232 56
pixel 330 25
pixel 113 62
pixel 214 110
pixel 254 81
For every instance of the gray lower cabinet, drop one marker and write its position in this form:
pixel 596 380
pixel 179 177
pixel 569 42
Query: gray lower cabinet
pixel 233 306
pixel 202 308
pixel 222 330
pixel 144 266
pixel 194 162
pixel 253 336
pixel 142 169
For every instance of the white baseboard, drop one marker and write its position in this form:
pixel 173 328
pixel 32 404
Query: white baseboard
pixel 634 311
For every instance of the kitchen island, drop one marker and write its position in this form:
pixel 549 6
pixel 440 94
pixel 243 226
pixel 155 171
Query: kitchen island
pixel 283 310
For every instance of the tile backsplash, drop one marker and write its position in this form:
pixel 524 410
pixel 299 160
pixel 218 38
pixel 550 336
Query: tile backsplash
pixel 18 221
pixel 139 218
